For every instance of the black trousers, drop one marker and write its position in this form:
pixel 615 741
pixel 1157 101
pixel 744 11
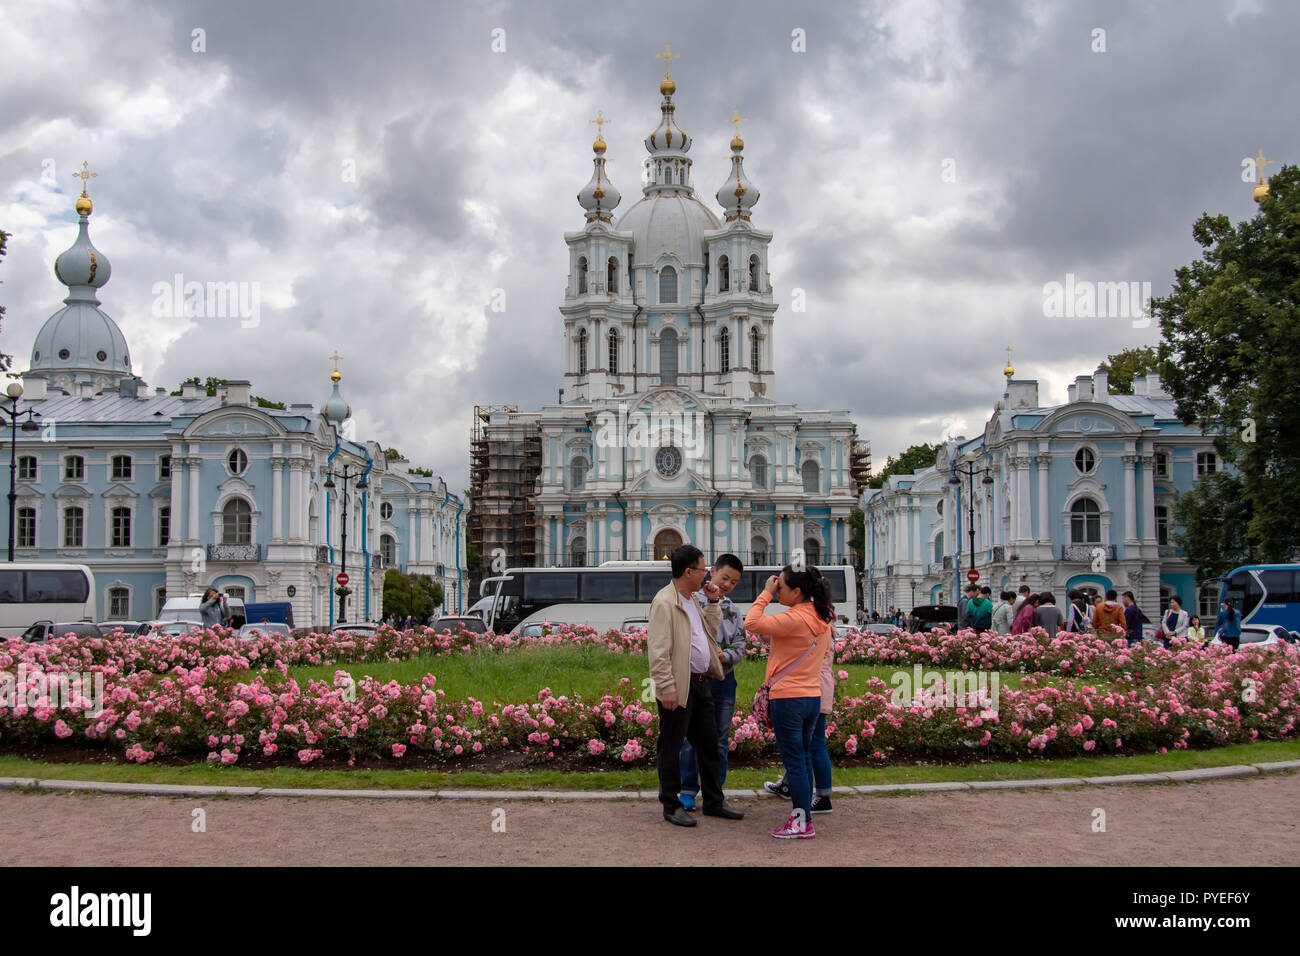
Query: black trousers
pixel 694 722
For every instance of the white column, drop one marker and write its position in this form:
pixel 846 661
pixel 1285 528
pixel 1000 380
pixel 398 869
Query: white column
pixel 916 531
pixel 1044 535
pixel 1130 501
pixel 177 531
pixel 277 509
pixel 297 500
pixel 1023 505
pixel 1149 502
pixel 193 529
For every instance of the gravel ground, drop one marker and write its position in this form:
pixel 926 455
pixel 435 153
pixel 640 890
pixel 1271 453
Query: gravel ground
pixel 1240 822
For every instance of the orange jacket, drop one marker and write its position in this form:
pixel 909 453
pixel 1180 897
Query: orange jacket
pixel 791 632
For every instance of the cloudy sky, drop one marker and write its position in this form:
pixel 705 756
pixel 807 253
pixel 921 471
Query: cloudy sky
pixel 379 169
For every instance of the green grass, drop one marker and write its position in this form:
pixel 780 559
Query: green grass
pixel 642 778
pixel 590 671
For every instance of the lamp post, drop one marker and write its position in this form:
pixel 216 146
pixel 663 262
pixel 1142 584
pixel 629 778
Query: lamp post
pixel 970 471
pixel 359 474
pixel 15 391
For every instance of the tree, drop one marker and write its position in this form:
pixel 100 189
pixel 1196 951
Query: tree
pixel 473 560
pixel 392 454
pixel 1210 523
pixel 417 595
pixel 858 535
pixel 915 458
pixel 6 361
pixel 1123 367
pixel 1230 356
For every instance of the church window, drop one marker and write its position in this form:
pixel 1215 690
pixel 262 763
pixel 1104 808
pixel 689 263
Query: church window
pixel 578 552
pixel 1206 463
pixel 164 525
pixel 582 275
pixel 121 528
pixel 724 351
pixel 753 273
pixel 759 548
pixel 27 468
pixel 578 474
pixel 1085 461
pixel 613 352
pixel 668 357
pixel 237 522
pixel 101 356
pixel 74 527
pixel 668 284
pixel 164 467
pixel 812 551
pixel 582 351
pixel 119 603
pixel 237 461
pixel 388 550
pixel 1085 522
pixel 812 477
pixel 65 354
pixel 121 467
pixel 26 527
pixel 612 278
pixel 668 461
pixel 724 274
pixel 386 511
pixel 758 471
pixel 753 350
pixel 1162 525
pixel 74 468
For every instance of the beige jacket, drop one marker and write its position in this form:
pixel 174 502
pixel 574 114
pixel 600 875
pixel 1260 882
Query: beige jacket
pixel 668 644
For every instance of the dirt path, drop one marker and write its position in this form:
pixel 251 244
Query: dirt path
pixel 1245 822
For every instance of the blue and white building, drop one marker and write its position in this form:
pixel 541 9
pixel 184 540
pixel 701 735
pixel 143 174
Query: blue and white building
pixel 1082 496
pixel 166 494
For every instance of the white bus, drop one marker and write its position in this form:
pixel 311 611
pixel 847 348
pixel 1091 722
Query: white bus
pixel 31 592
pixel 618 594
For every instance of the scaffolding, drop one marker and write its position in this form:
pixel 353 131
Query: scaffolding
pixel 860 465
pixel 505 466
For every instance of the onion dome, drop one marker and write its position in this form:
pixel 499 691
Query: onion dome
pixel 599 197
pixel 737 195
pixel 335 409
pixel 669 167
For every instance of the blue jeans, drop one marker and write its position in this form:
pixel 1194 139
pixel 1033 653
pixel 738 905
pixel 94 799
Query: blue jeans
pixel 819 761
pixel 793 720
pixel 724 706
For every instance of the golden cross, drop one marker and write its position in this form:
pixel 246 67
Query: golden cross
pixel 335 359
pixel 668 56
pixel 599 121
pixel 86 174
pixel 1260 164
pixel 738 119
pixel 1008 354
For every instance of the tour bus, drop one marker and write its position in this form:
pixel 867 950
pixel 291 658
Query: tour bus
pixel 618 594
pixel 1264 594
pixel 31 592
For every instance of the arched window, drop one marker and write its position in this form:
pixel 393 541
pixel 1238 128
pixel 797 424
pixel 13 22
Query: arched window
pixel 812 477
pixel 578 552
pixel 237 522
pixel 611 276
pixel 1085 522
pixel 613 351
pixel 812 551
pixel 753 273
pixel 74 528
pixel 119 604
pixel 582 351
pixel 668 284
pixel 724 351
pixel 938 548
pixel 758 547
pixel 724 274
pixel 578 474
pixel 388 550
pixel 668 357
pixel 758 471
pixel 582 274
pixel 666 542
pixel 753 350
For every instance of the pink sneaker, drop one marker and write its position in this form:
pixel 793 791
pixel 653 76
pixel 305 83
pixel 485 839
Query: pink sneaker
pixel 793 830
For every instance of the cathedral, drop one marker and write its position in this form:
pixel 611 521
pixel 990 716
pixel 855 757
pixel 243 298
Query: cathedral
pixel 668 429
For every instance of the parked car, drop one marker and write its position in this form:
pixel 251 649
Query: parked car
pixel 360 628
pixel 270 612
pixel 881 628
pixel 165 628
pixel 847 630
pixel 250 631
pixel 467 622
pixel 1262 635
pixel 929 616
pixel 108 627
pixel 42 631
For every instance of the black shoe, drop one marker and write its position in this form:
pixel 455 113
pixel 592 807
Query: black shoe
pixel 778 789
pixel 680 817
pixel 724 811
pixel 821 804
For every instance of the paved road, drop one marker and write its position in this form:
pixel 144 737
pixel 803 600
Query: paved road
pixel 1244 822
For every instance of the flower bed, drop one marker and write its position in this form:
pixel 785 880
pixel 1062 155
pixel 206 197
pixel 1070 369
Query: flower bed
pixel 213 696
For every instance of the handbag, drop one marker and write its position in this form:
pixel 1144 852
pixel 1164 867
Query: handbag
pixel 762 709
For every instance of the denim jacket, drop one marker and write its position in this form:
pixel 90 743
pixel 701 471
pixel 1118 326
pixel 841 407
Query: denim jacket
pixel 731 635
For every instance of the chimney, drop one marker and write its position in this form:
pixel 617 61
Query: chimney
pixel 34 387
pixel 1084 385
pixel 305 409
pixel 1072 390
pixel 1101 386
pixel 126 388
pixel 1139 385
pixel 86 389
pixel 190 391
pixel 239 392
pixel 141 389
pixel 159 391
pixel 1022 393
pixel 1155 388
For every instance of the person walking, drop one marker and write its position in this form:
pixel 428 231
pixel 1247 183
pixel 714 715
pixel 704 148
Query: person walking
pixel 1002 618
pixel 1132 619
pixel 682 656
pixel 963 605
pixel 979 612
pixel 1047 615
pixel 730 638
pixel 1195 632
pixel 1024 619
pixel 1022 597
pixel 1228 625
pixel 801 638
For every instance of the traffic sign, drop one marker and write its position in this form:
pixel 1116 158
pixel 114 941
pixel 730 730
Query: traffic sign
pixel 972 575
pixel 342 580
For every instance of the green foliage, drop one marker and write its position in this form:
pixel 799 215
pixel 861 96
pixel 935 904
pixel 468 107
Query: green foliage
pixel 1123 367
pixel 916 457
pixel 267 403
pixel 1210 525
pixel 858 534
pixel 415 594
pixel 426 472
pixel 1230 356
pixel 473 560
pixel 392 454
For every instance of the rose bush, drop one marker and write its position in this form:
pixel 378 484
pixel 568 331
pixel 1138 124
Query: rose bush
pixel 214 696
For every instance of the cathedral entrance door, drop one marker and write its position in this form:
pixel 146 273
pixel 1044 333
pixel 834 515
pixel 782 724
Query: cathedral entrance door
pixel 666 542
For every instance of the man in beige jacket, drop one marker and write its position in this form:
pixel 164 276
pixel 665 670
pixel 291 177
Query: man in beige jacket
pixel 682 655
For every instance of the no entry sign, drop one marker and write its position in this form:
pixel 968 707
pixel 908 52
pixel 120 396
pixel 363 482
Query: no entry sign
pixel 342 580
pixel 972 575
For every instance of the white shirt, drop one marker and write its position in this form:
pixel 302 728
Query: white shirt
pixel 699 643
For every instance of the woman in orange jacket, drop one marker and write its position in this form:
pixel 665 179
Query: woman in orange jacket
pixel 801 639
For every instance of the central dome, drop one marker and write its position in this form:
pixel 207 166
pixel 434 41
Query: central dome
pixel 668 223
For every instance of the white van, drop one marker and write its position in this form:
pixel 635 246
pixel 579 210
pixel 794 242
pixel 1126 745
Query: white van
pixel 31 591
pixel 187 609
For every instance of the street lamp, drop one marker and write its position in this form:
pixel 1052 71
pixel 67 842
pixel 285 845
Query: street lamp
pixel 15 391
pixel 970 471
pixel 345 474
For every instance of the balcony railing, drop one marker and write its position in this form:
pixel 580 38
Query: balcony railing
pixel 1085 552
pixel 936 568
pixel 234 552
